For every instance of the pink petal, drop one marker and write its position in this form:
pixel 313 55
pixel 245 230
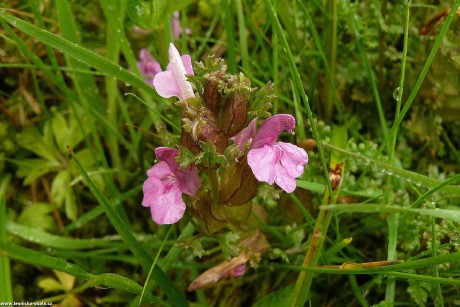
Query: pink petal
pixel 177 68
pixel 245 135
pixel 187 61
pixel 263 161
pixel 188 179
pixel 238 271
pixel 169 207
pixel 168 155
pixel 165 85
pixel 159 170
pixel 283 179
pixel 155 184
pixel 152 188
pixel 293 159
pixel 271 128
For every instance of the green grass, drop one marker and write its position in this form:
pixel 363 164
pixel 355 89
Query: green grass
pixel 375 99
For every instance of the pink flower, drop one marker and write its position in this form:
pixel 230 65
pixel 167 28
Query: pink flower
pixel 173 82
pixel 164 187
pixel 273 161
pixel 148 66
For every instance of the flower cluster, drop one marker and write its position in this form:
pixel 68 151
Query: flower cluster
pixel 216 138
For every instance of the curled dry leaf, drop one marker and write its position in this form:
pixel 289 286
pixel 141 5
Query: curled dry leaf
pixel 252 246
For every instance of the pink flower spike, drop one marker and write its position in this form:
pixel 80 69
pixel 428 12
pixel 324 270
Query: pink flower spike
pixel 276 162
pixel 246 135
pixel 148 66
pixel 173 81
pixel 164 187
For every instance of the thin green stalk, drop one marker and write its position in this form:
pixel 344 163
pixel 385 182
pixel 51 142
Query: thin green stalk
pixel 392 222
pixel 421 78
pixel 298 114
pixel 401 79
pixel 6 295
pixel 209 31
pixel 153 264
pixel 393 218
pixel 329 73
pixel 369 71
pixel 438 299
pixel 393 269
pixel 357 290
pixel 305 278
pixel 230 29
pixel 113 54
pixel 418 179
pixel 298 82
pixel 243 36
pixel 337 167
pixel 331 47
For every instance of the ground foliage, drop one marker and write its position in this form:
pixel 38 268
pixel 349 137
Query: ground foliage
pixel 349 55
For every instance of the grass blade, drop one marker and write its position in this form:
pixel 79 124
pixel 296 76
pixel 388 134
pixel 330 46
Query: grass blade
pixel 417 179
pixel 6 295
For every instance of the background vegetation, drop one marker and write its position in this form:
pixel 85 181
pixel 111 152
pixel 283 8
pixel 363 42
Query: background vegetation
pixel 376 83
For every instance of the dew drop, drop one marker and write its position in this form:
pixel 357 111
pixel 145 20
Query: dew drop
pixel 396 93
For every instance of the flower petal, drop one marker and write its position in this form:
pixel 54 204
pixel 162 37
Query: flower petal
pixel 169 208
pixel 187 61
pixel 293 159
pixel 165 85
pixel 152 188
pixel 283 179
pixel 271 128
pixel 187 179
pixel 263 161
pixel 177 68
pixel 156 184
pixel 159 170
pixel 245 135
pixel 168 155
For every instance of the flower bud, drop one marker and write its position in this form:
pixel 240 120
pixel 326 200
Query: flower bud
pixel 187 141
pixel 200 126
pixel 234 113
pixel 238 185
pixel 211 132
pixel 212 97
